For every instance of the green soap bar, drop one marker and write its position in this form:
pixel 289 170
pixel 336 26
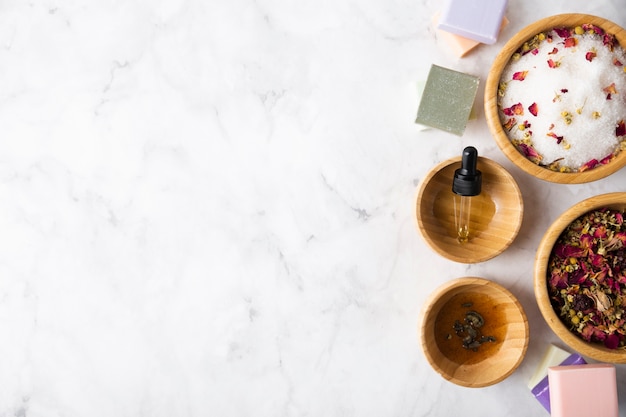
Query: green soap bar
pixel 447 100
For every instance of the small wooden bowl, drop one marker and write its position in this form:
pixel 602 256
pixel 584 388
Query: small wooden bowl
pixel 491 95
pixel 593 350
pixel 495 220
pixel 504 319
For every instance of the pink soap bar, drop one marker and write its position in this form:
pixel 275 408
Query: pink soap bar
pixel 479 20
pixel 583 390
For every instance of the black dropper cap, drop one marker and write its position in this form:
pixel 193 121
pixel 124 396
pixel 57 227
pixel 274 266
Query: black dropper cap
pixel 467 179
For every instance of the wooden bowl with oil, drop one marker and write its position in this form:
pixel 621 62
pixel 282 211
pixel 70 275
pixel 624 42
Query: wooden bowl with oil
pixel 495 218
pixel 569 20
pixel 595 351
pixel 505 323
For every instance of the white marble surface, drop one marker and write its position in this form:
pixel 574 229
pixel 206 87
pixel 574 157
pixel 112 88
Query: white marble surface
pixel 206 209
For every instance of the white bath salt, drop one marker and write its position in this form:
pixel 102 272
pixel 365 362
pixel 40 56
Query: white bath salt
pixel 562 98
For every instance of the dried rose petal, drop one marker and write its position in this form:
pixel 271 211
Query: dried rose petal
pixel 589 56
pixel 552 64
pixel 606 159
pixel 610 89
pixel 570 42
pixel 608 41
pixel 586 240
pixel 529 151
pixel 588 165
pixel 564 90
pixel 533 109
pixel 612 341
pixel 620 129
pixel 617 62
pixel 589 27
pixel 600 232
pixel 562 32
pixel 564 251
pixel 535 51
pixel 520 75
pixel 559 139
pixel 592 333
pixel 514 109
pixel 510 123
pixel 554 51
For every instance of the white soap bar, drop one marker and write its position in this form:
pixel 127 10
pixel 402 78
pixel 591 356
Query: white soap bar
pixel 583 390
pixel 554 356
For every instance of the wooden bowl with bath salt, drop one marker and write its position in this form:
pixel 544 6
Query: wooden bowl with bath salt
pixel 495 217
pixel 583 290
pixel 473 332
pixel 555 98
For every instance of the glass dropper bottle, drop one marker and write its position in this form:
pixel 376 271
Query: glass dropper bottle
pixel 467 183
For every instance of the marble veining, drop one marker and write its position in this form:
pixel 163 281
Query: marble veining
pixel 207 209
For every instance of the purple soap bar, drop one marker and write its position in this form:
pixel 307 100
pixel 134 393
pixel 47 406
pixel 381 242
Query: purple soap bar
pixel 479 20
pixel 541 391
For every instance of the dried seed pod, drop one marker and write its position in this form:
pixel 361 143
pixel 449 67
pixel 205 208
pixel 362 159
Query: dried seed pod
pixel 474 319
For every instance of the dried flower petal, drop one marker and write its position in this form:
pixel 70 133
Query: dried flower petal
pixel 588 165
pixel 563 32
pixel 570 42
pixel 617 62
pixel 520 75
pixel 554 135
pixel 609 41
pixel 533 109
pixel 589 56
pixel 612 341
pixel 529 151
pixel 620 130
pixel 610 89
pixel 606 159
pixel 553 64
pixel 554 51
pixel 593 28
pixel 510 123
pixel 514 109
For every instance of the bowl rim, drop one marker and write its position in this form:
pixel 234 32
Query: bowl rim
pixel 544 249
pixel 471 281
pixel 432 243
pixel 491 106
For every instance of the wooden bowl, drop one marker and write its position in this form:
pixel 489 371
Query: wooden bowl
pixel 504 319
pixel 593 350
pixel 491 94
pixel 496 214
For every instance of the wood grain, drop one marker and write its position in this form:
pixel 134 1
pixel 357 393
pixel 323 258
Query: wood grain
pixel 496 217
pixel 593 350
pixel 491 91
pixel 494 365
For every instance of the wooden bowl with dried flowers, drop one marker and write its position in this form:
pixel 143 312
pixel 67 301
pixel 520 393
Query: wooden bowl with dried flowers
pixel 473 332
pixel 580 277
pixel 555 98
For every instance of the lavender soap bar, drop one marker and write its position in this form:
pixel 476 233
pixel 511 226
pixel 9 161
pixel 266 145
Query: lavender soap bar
pixel 479 20
pixel 447 100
